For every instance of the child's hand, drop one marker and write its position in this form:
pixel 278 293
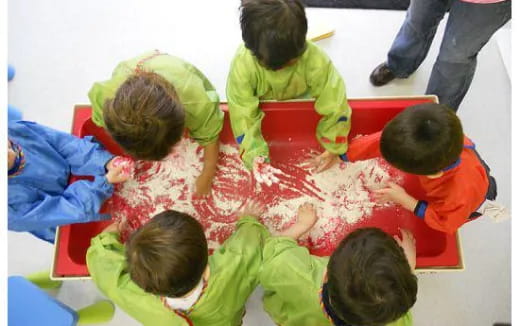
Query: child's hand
pixel 408 245
pixel 127 163
pixel 323 161
pixel 116 226
pixel 116 175
pixel 265 172
pixel 253 208
pixel 307 216
pixel 396 194
pixel 203 185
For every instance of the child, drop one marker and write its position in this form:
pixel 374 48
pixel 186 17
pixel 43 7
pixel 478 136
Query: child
pixel 149 101
pixel 277 63
pixel 164 275
pixel 368 280
pixel 40 162
pixel 427 140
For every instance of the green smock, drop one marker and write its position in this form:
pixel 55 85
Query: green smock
pixel 233 277
pixel 292 280
pixel 313 74
pixel 204 119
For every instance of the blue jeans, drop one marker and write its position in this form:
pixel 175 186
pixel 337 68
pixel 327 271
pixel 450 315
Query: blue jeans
pixel 469 28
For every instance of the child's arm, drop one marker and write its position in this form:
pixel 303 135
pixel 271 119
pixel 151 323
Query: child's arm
pixel 328 88
pixel 84 156
pixel 250 234
pixel 246 117
pixel 397 194
pixel 204 120
pixel 306 219
pixel 442 215
pixel 79 203
pixel 364 147
pixel 107 265
pixel 241 254
pixel 205 179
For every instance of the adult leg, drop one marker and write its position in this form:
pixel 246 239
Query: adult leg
pixel 469 28
pixel 413 40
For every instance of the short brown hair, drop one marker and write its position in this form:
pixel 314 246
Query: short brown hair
pixel 423 139
pixel 274 30
pixel 369 279
pixel 168 255
pixel 145 117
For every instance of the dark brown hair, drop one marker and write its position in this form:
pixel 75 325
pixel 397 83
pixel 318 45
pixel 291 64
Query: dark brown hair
pixel 369 279
pixel 423 139
pixel 145 117
pixel 168 255
pixel 274 30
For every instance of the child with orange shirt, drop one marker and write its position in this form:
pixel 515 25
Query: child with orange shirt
pixel 427 140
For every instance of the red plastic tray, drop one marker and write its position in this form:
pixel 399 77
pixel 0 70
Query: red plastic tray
pixel 288 127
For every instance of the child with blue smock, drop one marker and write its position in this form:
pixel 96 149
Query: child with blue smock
pixel 40 163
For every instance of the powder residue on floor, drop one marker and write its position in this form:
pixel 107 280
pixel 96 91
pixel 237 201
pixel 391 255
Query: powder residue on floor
pixel 341 194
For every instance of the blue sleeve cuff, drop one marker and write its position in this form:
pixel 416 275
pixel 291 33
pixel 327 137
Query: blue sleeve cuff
pixel 344 157
pixel 420 208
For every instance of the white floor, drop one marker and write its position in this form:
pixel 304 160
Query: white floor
pixel 61 47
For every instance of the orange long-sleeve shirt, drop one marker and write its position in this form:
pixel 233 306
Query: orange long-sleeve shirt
pixel 451 198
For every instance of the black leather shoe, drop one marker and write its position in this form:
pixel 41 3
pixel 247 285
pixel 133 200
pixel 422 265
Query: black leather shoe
pixel 381 75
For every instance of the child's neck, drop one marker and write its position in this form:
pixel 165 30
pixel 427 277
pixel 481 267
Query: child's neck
pixel 205 278
pixel 436 175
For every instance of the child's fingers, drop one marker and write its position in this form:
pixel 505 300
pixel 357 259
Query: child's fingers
pixel 408 234
pixel 382 191
pixel 305 205
pixel 274 178
pixel 381 194
pixel 258 176
pixel 310 163
pixel 118 171
pixel 393 186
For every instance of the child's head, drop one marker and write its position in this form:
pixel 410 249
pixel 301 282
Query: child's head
pixel 274 30
pixel 370 281
pixel 168 255
pixel 145 117
pixel 423 139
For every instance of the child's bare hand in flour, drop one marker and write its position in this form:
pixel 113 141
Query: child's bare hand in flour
pixel 407 242
pixel 397 194
pixel 203 184
pixel 253 208
pixel 323 161
pixel 265 172
pixel 307 217
pixel 116 226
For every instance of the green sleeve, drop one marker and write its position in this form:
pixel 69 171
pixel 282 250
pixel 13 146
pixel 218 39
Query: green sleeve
pixel 98 96
pixel 283 255
pixel 204 119
pixel 247 242
pixel 100 92
pixel 234 271
pixel 291 278
pixel 328 88
pixel 106 260
pixel 107 265
pixel 245 115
